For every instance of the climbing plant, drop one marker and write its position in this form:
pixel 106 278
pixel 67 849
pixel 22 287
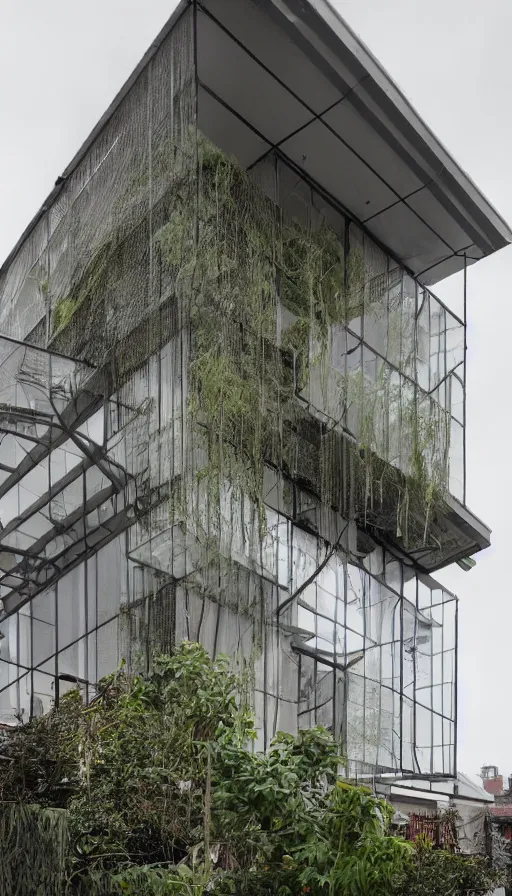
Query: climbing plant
pixel 268 294
pixel 264 296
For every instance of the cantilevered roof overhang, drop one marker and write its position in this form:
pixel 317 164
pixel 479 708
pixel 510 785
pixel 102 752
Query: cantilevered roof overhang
pixel 303 83
pixel 290 76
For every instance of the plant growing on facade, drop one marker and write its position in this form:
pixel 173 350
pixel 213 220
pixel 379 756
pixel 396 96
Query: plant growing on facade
pixel 263 295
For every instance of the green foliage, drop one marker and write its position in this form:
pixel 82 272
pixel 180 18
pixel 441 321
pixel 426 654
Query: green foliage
pixel 263 293
pixel 44 756
pixel 147 880
pixel 222 393
pixel 248 267
pixel 145 757
pixel 435 872
pixel 262 801
pixel 347 848
pixel 34 847
pixel 417 434
pixel 249 260
pixel 86 290
pixel 63 313
pixel 161 792
pixel 313 267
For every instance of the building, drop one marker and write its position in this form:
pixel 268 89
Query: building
pixel 492 781
pixel 231 408
pixel 501 811
pixel 455 811
pixel 500 832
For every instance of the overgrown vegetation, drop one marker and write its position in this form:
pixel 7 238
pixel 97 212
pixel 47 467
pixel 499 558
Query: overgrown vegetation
pixel 435 872
pixel 268 293
pixel 85 291
pixel 263 295
pixel 156 788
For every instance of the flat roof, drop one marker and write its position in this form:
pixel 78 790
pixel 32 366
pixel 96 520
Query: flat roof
pixel 291 77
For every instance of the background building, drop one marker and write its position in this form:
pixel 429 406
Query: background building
pixel 457 811
pixel 231 408
pixel 501 811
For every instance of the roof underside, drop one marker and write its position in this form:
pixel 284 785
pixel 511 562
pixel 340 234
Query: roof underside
pixel 290 76
pixel 301 81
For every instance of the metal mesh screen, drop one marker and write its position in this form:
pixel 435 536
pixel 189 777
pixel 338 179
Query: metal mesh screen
pixel 269 399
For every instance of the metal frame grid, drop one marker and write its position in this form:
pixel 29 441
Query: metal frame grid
pixel 345 641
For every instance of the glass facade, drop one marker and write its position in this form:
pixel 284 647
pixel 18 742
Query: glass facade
pixel 227 415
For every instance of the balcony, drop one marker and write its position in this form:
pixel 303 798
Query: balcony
pixel 61 496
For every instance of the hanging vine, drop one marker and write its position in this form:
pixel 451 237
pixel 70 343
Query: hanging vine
pixel 263 296
pixel 267 293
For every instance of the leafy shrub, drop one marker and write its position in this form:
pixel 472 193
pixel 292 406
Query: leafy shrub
pixel 164 793
pixel 435 872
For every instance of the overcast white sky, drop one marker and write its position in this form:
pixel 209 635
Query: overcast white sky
pixel 61 63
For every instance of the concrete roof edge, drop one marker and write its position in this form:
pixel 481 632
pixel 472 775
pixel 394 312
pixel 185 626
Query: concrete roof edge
pixel 461 185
